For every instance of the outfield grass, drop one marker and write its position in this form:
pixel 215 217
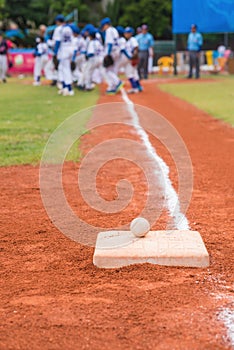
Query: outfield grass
pixel 216 98
pixel 30 114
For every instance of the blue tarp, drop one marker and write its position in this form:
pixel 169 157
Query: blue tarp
pixel 14 33
pixel 211 16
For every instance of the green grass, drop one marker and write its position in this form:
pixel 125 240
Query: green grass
pixel 28 116
pixel 215 98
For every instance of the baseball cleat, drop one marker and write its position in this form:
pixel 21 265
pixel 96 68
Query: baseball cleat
pixel 119 86
pixel 59 85
pixel 133 91
pixel 110 92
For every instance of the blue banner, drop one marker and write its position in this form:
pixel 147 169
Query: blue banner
pixel 211 16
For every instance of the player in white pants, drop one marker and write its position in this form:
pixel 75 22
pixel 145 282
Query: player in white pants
pixel 112 49
pixel 94 57
pixel 3 58
pixel 131 52
pixel 79 44
pixel 122 61
pixel 50 72
pixel 64 50
pixel 56 39
pixel 41 60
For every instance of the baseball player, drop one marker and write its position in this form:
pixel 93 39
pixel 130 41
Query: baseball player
pixel 64 51
pixel 131 53
pixel 112 53
pixel 122 61
pixel 94 57
pixel 41 59
pixel 79 44
pixel 3 58
pixel 85 33
pixel 56 40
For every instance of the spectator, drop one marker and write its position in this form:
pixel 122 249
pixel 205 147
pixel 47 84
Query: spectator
pixel 146 43
pixel 3 58
pixel 194 45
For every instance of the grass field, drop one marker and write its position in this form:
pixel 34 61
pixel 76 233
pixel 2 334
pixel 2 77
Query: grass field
pixel 216 98
pixel 28 117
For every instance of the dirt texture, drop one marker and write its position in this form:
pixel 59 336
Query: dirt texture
pixel 53 297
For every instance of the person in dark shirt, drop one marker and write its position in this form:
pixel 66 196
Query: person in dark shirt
pixel 3 58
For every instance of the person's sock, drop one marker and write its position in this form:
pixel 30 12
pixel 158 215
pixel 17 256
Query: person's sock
pixel 133 83
pixel 138 85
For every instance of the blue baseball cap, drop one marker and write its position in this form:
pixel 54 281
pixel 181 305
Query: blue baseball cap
pixel 88 27
pixel 129 30
pixel 60 18
pixel 74 28
pixel 120 30
pixel 104 21
pixel 93 31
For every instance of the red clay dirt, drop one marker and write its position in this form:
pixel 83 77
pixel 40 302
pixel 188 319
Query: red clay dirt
pixel 52 297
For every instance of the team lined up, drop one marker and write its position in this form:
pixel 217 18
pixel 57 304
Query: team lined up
pixel 90 56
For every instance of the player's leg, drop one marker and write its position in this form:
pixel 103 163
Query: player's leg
pixel 1 67
pixel 81 80
pixel 37 71
pixel 97 76
pixel 61 82
pixel 67 77
pixel 129 71
pixel 140 64
pixel 44 61
pixel 5 68
pixel 89 68
pixel 197 65
pixel 190 65
pixel 137 79
pixel 50 72
pixel 145 64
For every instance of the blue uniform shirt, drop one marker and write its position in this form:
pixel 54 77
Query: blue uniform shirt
pixel 194 42
pixel 145 41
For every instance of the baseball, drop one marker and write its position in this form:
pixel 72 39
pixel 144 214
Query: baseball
pixel 140 227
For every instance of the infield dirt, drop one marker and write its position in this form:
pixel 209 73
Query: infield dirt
pixel 52 297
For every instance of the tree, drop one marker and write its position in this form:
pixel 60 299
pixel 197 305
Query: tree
pixel 156 13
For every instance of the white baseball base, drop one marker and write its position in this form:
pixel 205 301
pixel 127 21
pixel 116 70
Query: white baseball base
pixel 116 249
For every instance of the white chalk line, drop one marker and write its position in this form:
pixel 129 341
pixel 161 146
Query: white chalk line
pixel 227 316
pixel 172 201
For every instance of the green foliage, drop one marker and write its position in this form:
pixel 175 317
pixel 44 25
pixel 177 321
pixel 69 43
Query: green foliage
pixel 156 13
pixel 43 11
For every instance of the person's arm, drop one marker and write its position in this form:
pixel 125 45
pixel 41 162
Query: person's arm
pixel 151 48
pixel 57 40
pixel 56 47
pixel 109 48
pixel 125 53
pixel 200 42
